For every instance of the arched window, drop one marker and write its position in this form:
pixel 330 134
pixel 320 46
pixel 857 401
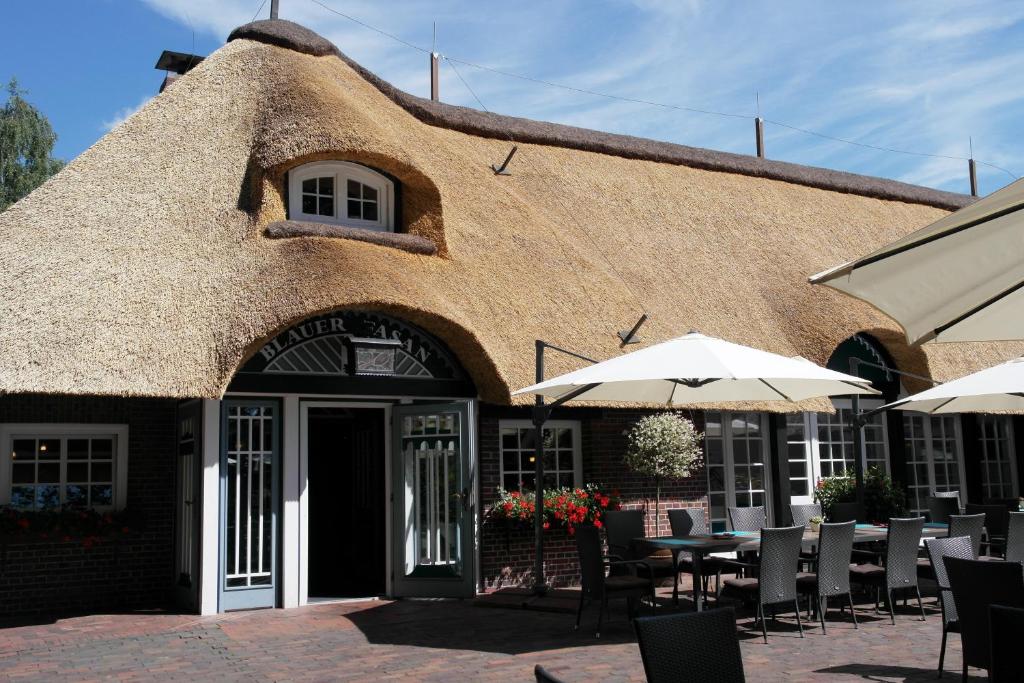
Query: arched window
pixel 341 193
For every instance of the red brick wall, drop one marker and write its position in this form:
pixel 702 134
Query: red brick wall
pixel 507 554
pixel 136 571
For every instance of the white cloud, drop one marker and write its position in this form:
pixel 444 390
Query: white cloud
pixel 123 114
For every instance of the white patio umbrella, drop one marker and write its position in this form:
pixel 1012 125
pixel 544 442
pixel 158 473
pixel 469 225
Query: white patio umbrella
pixel 691 369
pixel 997 388
pixel 699 369
pixel 959 279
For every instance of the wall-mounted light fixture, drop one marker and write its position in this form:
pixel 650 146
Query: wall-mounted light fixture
pixel 372 355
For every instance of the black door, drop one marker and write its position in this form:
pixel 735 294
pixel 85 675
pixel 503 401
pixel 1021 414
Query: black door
pixel 347 537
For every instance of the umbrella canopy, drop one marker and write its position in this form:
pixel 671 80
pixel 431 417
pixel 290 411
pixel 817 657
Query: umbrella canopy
pixel 997 388
pixel 959 279
pixel 700 369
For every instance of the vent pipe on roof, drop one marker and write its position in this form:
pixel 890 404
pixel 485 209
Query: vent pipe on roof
pixel 759 136
pixel 273 9
pixel 972 169
pixel 435 85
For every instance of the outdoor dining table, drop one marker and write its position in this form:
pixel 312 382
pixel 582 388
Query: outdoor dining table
pixel 699 546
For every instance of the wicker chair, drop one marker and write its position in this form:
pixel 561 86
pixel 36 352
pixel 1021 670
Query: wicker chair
pixel 802 514
pixel 622 527
pixel 776 574
pixel 997 517
pixel 968 525
pixel 542 675
pixel 697 646
pixel 748 519
pixel 1006 624
pixel 832 576
pixel 595 585
pixel 941 507
pixel 694 522
pixel 1015 538
pixel 846 512
pixel 938 550
pixel 900 570
pixel 977 585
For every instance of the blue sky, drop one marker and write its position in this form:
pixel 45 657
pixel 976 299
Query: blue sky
pixel 920 76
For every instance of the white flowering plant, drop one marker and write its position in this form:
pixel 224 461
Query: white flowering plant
pixel 664 446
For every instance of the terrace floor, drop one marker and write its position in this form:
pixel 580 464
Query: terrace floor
pixel 441 640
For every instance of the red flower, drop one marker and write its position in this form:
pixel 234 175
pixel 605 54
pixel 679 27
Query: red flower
pixel 598 523
pixel 547 525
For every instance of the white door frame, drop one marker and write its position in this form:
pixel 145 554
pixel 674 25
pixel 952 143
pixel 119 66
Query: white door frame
pixel 729 464
pixel 302 551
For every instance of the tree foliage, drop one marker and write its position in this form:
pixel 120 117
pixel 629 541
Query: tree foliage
pixel 663 446
pixel 26 147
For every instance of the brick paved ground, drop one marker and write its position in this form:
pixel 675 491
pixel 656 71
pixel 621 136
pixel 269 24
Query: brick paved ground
pixel 435 640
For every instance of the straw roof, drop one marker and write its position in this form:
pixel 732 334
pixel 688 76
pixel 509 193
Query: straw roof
pixel 159 260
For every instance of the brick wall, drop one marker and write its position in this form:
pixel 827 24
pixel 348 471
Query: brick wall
pixel 507 554
pixel 136 571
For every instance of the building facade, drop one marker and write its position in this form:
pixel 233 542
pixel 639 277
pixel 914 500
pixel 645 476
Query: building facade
pixel 263 350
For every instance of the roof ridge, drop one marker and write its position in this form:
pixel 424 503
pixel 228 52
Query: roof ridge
pixel 290 35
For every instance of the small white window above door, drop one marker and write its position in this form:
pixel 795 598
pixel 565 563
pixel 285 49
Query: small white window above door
pixel 341 193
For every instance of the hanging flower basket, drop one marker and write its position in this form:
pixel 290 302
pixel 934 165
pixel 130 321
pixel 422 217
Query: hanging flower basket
pixel 563 507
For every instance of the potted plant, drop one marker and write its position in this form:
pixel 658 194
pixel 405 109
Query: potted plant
pixel 816 521
pixel 660 446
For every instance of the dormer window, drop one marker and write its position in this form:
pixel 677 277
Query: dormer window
pixel 341 193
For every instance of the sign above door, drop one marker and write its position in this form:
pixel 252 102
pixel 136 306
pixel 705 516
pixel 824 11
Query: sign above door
pixel 354 352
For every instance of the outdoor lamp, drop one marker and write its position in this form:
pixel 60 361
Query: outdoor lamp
pixel 372 355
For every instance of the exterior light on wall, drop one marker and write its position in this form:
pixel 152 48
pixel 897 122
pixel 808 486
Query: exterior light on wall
pixel 372 355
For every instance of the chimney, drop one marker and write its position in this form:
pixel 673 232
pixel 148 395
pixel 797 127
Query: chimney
pixel 176 64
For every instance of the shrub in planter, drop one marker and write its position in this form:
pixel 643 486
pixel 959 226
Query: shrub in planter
pixel 832 490
pixel 882 498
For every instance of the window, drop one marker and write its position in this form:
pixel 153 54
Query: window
pixel 341 193
pixel 835 439
pixel 562 466
pixel 933 457
pixel 53 465
pixel 821 445
pixel 736 451
pixel 998 476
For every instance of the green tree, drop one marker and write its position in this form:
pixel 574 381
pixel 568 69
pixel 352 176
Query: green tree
pixel 26 148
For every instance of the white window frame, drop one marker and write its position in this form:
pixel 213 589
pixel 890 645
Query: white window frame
pixel 577 452
pixel 342 171
pixel 927 437
pixel 48 430
pixel 812 448
pixel 729 463
pixel 1011 453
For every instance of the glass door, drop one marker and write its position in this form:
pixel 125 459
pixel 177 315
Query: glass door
pixel 249 500
pixel 736 450
pixel 434 510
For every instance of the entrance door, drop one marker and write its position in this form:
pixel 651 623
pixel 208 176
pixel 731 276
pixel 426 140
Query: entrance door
pixel 433 495
pixel 346 488
pixel 186 555
pixel 250 454
pixel 736 449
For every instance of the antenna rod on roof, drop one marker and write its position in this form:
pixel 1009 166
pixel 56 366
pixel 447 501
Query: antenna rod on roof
pixel 435 85
pixel 273 9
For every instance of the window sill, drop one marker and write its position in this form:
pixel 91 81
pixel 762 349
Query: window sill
pixel 414 244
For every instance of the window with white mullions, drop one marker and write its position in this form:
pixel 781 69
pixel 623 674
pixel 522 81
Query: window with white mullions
pixel 798 455
pixel 834 435
pixel 53 466
pixel 736 449
pixel 998 464
pixel 934 461
pixel 562 460
pixel 341 193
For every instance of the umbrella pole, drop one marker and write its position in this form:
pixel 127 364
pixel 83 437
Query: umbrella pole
pixel 540 414
pixel 858 447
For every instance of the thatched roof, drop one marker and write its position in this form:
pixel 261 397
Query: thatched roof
pixel 145 267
